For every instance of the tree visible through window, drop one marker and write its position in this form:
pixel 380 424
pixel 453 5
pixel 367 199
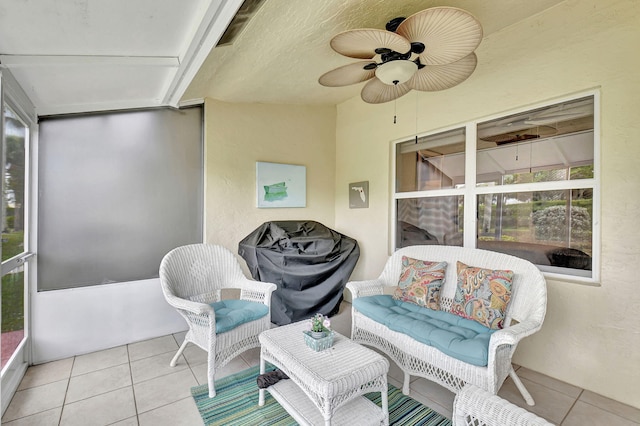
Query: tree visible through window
pixel 13 197
pixel 13 207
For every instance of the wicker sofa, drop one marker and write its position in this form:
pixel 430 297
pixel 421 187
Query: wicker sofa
pixel 524 316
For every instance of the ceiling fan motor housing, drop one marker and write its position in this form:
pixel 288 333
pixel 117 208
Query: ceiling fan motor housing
pixel 393 24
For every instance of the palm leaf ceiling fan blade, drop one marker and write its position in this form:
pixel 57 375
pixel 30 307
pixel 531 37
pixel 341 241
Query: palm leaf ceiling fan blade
pixel 362 44
pixel 346 75
pixel 448 34
pixel 430 50
pixel 439 77
pixel 376 92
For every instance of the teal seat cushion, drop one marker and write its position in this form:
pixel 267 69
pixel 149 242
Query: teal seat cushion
pixel 460 338
pixel 232 313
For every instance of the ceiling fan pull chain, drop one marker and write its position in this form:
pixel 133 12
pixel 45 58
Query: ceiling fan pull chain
pixel 416 117
pixel 395 110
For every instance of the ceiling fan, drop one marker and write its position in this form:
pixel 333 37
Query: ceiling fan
pixel 430 50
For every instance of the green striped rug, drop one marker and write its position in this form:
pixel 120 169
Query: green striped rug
pixel 236 403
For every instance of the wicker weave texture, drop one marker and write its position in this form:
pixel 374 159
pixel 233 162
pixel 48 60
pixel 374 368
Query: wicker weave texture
pixel 192 277
pixel 476 407
pixel 525 314
pixel 329 378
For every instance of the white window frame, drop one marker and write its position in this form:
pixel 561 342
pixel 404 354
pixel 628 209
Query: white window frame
pixel 470 191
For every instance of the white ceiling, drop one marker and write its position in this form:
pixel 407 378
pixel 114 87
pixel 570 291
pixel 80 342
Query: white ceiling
pixel 285 47
pixel 88 55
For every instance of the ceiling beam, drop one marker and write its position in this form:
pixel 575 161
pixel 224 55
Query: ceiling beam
pixel 51 109
pixel 17 61
pixel 215 21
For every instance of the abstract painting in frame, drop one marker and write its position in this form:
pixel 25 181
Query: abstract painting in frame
pixel 280 185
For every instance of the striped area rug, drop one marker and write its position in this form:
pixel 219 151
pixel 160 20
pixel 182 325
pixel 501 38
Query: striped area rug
pixel 236 404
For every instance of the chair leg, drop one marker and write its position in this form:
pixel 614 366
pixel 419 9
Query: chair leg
pixel 211 372
pixel 177 355
pixel 525 393
pixel 406 384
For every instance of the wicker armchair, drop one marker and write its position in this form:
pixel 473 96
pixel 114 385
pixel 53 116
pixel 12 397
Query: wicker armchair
pixel 476 407
pixel 192 278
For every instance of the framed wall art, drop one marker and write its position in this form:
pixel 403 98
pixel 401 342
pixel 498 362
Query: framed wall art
pixel 359 195
pixel 281 185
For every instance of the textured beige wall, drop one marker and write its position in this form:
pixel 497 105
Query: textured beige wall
pixel 591 335
pixel 239 135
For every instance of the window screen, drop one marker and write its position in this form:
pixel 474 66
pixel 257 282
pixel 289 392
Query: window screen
pixel 116 192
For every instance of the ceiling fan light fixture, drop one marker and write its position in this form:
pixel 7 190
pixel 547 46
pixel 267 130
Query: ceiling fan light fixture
pixel 396 72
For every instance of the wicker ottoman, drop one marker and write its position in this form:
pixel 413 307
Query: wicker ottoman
pixel 326 386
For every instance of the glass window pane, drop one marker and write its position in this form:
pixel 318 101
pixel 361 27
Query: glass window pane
pixel 553 143
pixel 430 220
pixel 16 133
pixel 12 312
pixel 431 162
pixel 548 228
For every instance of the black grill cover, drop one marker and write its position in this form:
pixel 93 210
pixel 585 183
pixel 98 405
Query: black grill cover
pixel 309 263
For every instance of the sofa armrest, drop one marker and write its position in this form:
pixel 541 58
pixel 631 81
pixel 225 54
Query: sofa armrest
pixel 365 288
pixel 512 335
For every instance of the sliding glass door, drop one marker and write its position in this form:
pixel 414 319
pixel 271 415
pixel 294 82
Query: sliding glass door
pixel 17 125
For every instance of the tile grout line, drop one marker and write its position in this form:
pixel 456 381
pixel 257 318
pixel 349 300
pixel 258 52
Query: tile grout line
pixel 162 406
pixel 64 401
pixel 188 366
pixel 571 408
pixel 606 409
pixel 162 375
pixel 133 389
pixel 97 394
pixel 551 388
pixel 577 398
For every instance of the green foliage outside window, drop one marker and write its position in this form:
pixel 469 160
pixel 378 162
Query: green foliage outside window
pixel 13 302
pixel 553 223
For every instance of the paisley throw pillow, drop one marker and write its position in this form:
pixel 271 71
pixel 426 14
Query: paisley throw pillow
pixel 482 295
pixel 420 282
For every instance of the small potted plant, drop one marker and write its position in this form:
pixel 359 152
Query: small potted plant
pixel 320 326
pixel 318 335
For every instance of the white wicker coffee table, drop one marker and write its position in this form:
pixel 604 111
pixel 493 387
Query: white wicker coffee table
pixel 327 386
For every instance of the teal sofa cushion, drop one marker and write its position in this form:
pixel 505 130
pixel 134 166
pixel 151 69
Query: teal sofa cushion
pixel 232 313
pixel 460 338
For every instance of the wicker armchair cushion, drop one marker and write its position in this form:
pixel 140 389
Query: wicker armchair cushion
pixel 463 339
pixel 232 313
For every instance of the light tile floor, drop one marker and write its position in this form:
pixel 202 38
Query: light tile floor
pixel 134 385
